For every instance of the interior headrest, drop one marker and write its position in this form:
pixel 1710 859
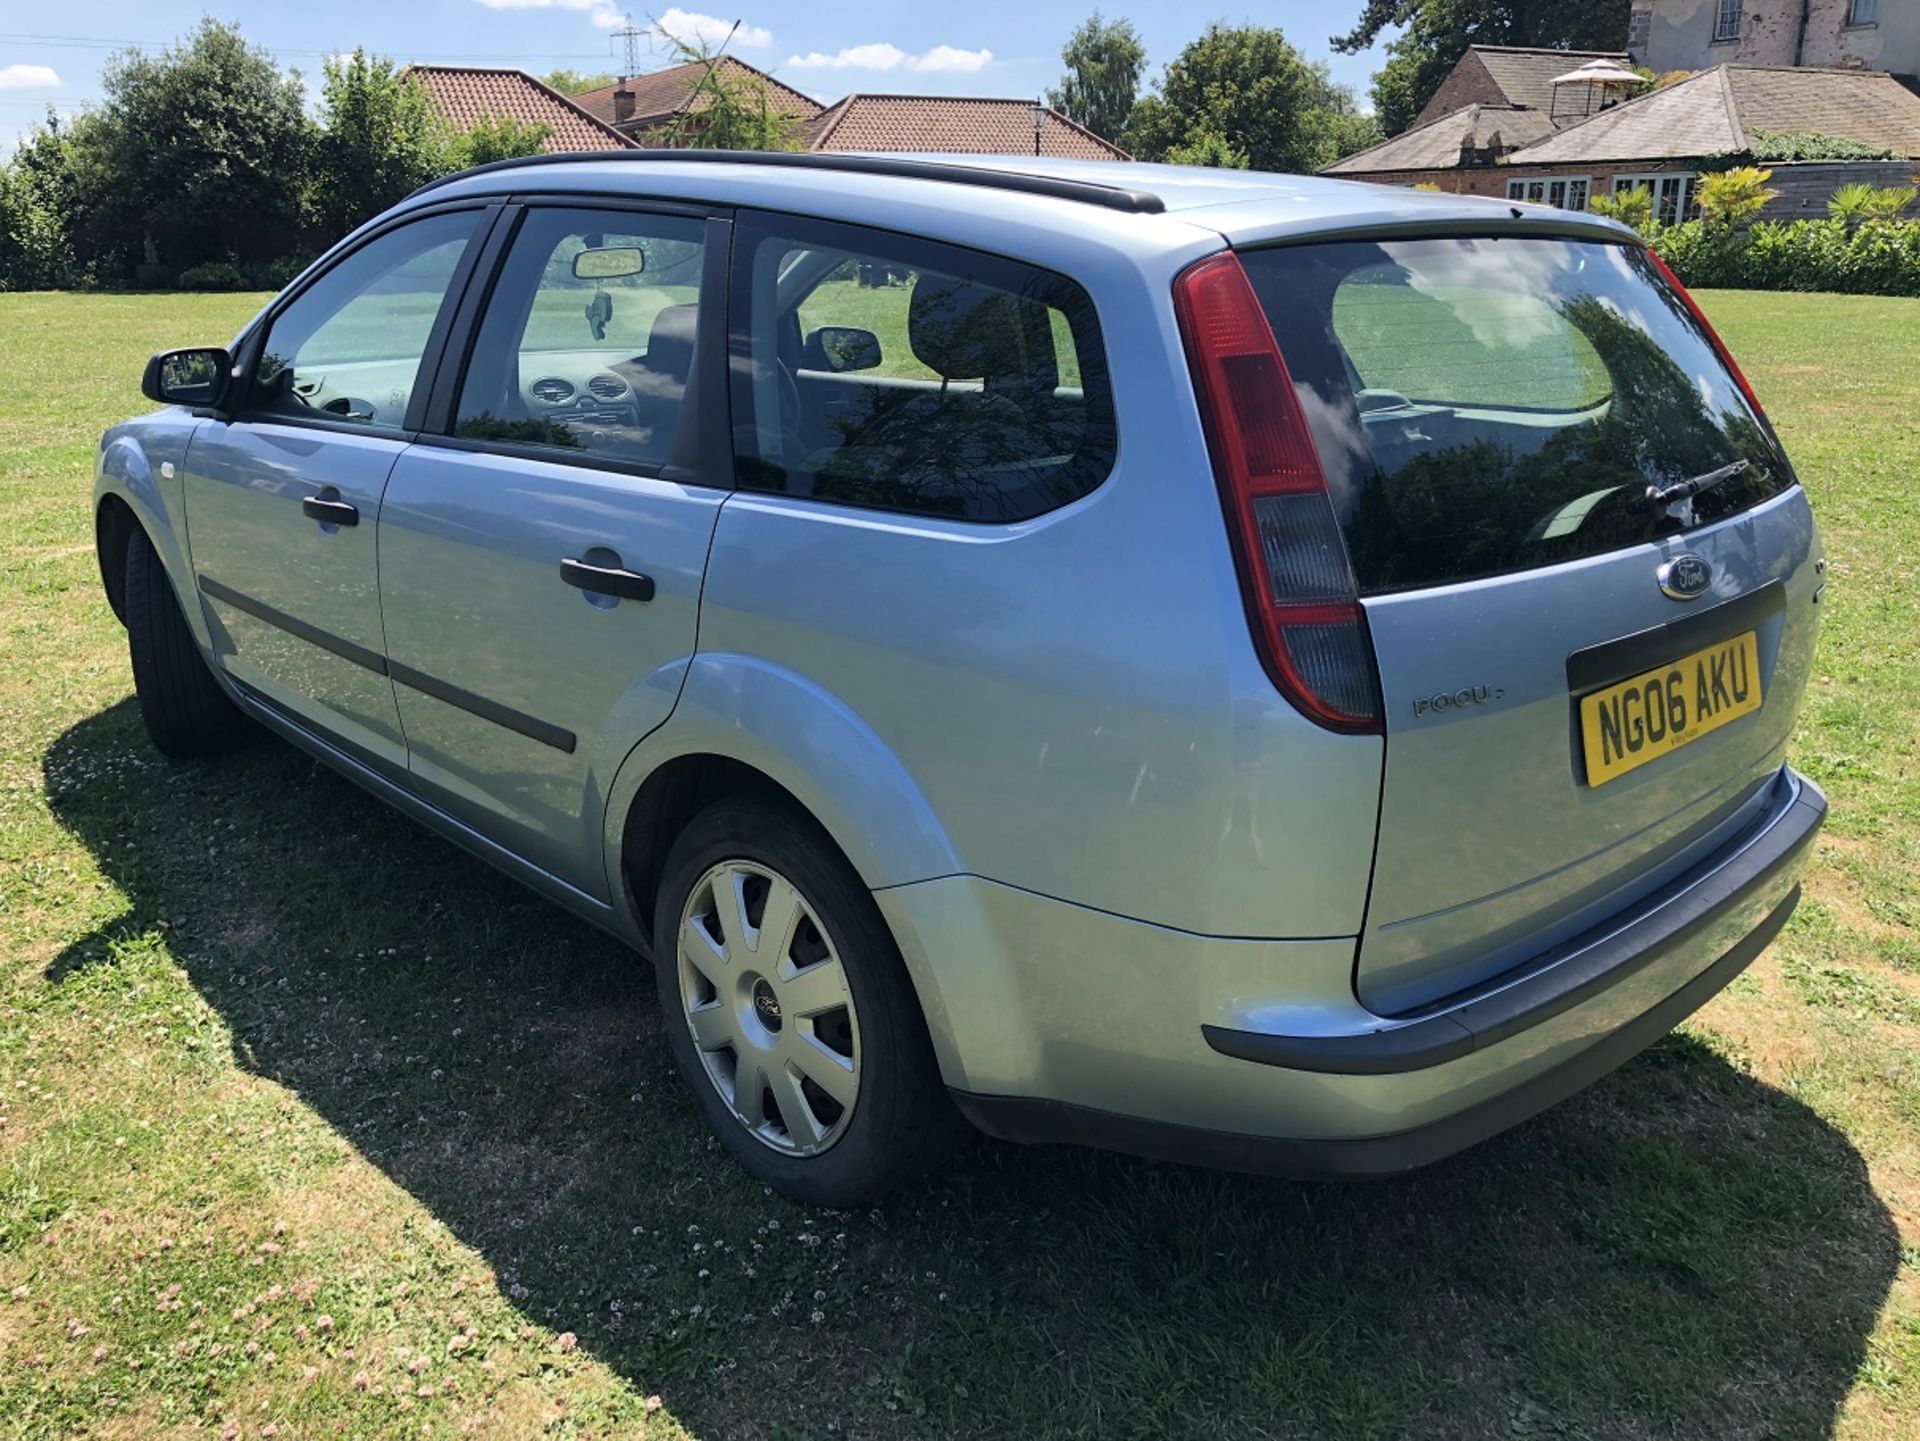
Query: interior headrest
pixel 964 330
pixel 670 342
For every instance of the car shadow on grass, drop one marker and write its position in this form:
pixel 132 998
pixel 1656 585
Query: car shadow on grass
pixel 1681 1250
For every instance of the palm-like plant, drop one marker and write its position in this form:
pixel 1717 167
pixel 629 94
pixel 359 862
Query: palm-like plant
pixel 1736 196
pixel 1630 207
pixel 1890 202
pixel 1849 203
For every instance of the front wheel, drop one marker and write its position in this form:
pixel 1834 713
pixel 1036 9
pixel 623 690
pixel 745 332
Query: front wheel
pixel 789 1010
pixel 186 712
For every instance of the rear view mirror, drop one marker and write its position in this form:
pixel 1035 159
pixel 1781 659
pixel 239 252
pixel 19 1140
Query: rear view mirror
pixel 196 376
pixel 610 262
pixel 840 348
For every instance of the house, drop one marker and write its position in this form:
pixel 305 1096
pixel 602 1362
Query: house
pixel 1669 35
pixel 1512 77
pixel 649 109
pixel 1659 141
pixel 954 125
pixel 646 107
pixel 465 95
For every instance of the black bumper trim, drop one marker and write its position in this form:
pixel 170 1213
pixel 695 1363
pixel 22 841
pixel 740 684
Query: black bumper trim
pixel 1013 1118
pixel 1588 965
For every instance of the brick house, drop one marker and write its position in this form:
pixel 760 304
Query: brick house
pixel 1669 35
pixel 466 95
pixel 954 125
pixel 644 107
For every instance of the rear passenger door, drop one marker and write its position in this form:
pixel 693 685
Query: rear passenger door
pixel 542 546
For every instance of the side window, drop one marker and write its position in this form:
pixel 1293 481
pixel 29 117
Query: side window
pixel 876 369
pixel 588 341
pixel 349 346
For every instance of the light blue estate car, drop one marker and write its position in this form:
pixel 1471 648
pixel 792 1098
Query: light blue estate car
pixel 1284 673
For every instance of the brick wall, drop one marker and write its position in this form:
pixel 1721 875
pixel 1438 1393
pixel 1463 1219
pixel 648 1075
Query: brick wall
pixel 1468 83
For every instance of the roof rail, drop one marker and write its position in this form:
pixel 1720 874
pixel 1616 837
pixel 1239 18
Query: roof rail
pixel 1090 192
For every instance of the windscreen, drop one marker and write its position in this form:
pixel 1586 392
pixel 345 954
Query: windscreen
pixel 1490 405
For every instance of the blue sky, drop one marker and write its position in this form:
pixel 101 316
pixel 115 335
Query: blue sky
pixel 983 47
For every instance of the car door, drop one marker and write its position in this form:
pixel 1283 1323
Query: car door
pixel 542 546
pixel 282 498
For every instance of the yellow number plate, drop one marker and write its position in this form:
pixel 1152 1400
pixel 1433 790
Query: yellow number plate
pixel 1642 719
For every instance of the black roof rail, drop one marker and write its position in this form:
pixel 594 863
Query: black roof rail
pixel 1090 192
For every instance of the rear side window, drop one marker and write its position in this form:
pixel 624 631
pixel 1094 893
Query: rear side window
pixel 1485 406
pixel 876 369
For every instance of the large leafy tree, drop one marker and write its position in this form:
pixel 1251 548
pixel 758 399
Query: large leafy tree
pixel 1105 61
pixel 1436 33
pixel 198 152
pixel 381 137
pixel 726 109
pixel 1244 92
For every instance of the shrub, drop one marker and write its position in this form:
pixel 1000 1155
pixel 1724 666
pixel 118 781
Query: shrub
pixel 1632 207
pixel 1882 258
pixel 211 275
pixel 1811 145
pixel 1736 196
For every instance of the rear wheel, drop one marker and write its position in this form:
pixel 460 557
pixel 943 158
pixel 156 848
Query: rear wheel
pixel 789 1010
pixel 186 712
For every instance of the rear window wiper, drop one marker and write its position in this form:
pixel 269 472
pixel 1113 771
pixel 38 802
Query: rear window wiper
pixel 1677 499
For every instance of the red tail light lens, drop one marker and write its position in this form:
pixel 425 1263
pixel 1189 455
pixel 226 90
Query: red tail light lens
pixel 1298 587
pixel 1719 345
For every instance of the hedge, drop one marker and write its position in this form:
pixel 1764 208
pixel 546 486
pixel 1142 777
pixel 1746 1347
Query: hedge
pixel 1881 257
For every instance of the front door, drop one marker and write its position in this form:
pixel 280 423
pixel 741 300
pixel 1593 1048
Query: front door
pixel 541 559
pixel 282 501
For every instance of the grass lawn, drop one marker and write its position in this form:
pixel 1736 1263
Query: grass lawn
pixel 311 1125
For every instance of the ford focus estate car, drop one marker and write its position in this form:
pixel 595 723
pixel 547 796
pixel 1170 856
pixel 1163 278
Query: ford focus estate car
pixel 1281 673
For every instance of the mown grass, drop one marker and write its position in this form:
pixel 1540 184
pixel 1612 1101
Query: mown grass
pixel 311 1125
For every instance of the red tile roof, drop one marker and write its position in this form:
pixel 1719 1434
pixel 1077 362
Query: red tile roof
pixel 466 95
pixel 661 94
pixel 953 124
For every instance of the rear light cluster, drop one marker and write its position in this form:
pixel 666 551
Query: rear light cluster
pixel 1713 336
pixel 1299 589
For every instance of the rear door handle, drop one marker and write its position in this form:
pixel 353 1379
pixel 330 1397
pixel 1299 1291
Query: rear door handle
pixel 607 579
pixel 330 512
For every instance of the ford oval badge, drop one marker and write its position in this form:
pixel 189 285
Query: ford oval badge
pixel 1685 577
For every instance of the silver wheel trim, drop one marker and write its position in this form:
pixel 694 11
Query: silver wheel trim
pixel 804 1052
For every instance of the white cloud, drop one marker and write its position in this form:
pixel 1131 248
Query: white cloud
pixel 691 27
pixel 28 77
pixel 879 55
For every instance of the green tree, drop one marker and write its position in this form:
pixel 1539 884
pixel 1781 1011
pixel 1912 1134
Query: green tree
pixel 498 137
pixel 1105 61
pixel 1249 87
pixel 1207 147
pixel 197 153
pixel 576 82
pixel 727 109
pixel 1434 34
pixel 381 137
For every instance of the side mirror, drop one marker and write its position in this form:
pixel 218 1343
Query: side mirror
pixel 840 348
pixel 196 376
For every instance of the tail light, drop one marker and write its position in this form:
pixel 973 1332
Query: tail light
pixel 1298 587
pixel 1713 336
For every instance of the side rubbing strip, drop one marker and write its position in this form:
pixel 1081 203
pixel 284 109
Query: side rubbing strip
pixel 293 625
pixel 518 721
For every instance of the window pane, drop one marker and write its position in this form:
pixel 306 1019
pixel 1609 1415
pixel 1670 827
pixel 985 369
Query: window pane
pixel 588 341
pixel 909 375
pixel 1516 398
pixel 350 346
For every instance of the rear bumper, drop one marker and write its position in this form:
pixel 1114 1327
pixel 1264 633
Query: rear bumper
pixel 1354 1094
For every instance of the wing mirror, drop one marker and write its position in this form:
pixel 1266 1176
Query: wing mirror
pixel 195 376
pixel 837 349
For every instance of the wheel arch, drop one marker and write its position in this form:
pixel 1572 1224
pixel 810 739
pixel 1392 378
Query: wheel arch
pixel 132 491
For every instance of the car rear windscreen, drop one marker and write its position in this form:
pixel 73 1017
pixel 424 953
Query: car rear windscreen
pixel 1490 405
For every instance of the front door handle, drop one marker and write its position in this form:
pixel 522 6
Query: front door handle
pixel 607 579
pixel 330 512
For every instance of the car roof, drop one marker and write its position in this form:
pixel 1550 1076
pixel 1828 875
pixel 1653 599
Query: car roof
pixel 1097 197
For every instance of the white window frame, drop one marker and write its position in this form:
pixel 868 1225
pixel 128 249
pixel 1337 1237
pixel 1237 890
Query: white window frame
pixel 1547 185
pixel 1685 207
pixel 1727 15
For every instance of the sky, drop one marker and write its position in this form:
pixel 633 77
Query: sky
pixel 49 54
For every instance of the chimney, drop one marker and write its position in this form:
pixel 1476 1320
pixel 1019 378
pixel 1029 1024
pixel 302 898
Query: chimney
pixel 622 103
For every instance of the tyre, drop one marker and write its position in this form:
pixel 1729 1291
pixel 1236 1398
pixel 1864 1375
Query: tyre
pixel 789 1010
pixel 186 712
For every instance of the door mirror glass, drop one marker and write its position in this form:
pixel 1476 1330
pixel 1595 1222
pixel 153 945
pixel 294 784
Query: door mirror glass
pixel 194 376
pixel 609 262
pixel 840 348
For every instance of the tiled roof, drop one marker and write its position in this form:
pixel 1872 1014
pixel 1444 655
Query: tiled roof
pixel 662 93
pixel 1717 111
pixel 951 124
pixel 1523 73
pixel 465 96
pixel 1437 144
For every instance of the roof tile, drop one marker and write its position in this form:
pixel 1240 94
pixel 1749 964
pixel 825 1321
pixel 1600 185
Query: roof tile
pixel 953 125
pixel 465 96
